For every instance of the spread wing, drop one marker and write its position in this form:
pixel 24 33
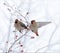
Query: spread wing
pixel 41 24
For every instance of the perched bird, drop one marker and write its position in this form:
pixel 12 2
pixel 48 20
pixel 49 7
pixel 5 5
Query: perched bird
pixel 35 25
pixel 19 25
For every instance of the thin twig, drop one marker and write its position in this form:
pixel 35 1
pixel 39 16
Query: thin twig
pixel 16 41
pixel 16 11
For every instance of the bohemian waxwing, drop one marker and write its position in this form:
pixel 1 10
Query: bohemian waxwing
pixel 35 25
pixel 19 25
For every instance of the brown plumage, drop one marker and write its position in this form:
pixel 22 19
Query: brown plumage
pixel 34 27
pixel 19 25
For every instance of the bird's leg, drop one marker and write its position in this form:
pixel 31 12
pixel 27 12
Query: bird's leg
pixel 37 33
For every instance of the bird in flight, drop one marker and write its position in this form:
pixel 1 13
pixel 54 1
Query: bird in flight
pixel 35 25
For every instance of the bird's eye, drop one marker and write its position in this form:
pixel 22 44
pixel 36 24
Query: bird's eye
pixel 15 21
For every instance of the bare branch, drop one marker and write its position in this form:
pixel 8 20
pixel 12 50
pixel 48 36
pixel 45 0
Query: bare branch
pixel 16 41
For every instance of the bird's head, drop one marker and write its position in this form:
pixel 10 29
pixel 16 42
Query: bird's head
pixel 16 21
pixel 32 21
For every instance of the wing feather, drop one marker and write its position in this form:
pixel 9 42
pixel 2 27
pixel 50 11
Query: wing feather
pixel 41 24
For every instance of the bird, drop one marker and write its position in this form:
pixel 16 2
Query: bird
pixel 19 25
pixel 35 25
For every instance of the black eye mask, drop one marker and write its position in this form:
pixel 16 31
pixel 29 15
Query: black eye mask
pixel 16 21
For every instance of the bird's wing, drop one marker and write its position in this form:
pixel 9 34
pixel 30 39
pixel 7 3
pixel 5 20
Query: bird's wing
pixel 41 24
pixel 23 25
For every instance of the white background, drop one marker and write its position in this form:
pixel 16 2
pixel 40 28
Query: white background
pixel 39 10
